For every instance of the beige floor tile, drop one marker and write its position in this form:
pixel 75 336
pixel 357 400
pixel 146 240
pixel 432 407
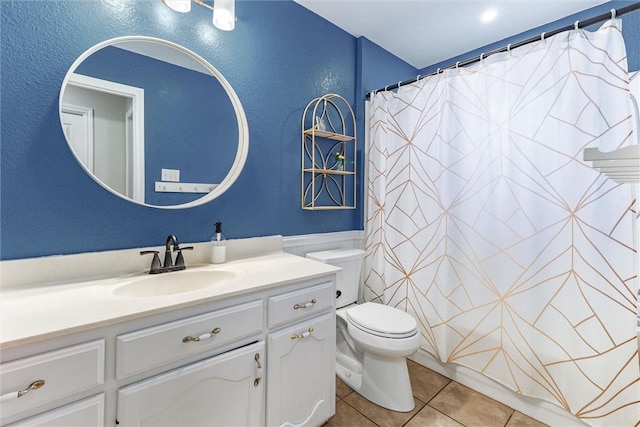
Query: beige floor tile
pixel 381 416
pixel 470 407
pixel 425 383
pixel 519 419
pixel 432 418
pixel 346 416
pixel 342 390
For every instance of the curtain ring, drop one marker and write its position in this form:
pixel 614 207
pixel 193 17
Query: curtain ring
pixel 613 14
pixel 418 78
pixel 437 71
pixel 509 48
pixel 385 88
pixel 542 36
pixel 482 57
pixel 399 84
pixel 457 64
pixel 575 26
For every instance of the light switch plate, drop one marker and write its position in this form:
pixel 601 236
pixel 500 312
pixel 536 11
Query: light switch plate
pixel 171 175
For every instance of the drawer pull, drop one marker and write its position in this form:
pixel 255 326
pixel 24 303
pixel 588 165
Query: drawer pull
pixel 202 337
pixel 16 394
pixel 256 382
pixel 307 305
pixel 302 335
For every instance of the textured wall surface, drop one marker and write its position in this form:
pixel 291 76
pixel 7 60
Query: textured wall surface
pixel 278 58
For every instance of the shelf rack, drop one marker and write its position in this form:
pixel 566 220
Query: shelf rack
pixel 328 154
pixel 621 165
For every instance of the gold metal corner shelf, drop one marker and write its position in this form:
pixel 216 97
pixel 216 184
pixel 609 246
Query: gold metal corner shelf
pixel 328 154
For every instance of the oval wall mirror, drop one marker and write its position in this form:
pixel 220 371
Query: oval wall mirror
pixel 153 122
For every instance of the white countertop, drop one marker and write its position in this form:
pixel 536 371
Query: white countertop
pixel 33 313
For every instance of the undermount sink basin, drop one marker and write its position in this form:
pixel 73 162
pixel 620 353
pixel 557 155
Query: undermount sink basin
pixel 176 282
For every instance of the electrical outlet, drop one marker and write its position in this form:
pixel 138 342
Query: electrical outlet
pixel 171 175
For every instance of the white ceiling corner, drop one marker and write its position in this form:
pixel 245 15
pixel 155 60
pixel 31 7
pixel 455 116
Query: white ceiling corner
pixel 426 32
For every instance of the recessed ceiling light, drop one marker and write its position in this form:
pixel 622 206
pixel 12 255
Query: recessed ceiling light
pixel 488 15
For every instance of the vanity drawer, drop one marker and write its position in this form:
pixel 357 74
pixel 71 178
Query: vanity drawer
pixel 149 348
pixel 87 412
pixel 65 372
pixel 299 304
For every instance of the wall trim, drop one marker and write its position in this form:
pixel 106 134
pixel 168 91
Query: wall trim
pixel 302 244
pixel 333 237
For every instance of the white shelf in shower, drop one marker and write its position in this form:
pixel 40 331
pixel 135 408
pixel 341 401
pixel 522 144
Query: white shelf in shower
pixel 621 165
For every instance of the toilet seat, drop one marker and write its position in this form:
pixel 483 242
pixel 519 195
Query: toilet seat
pixel 382 320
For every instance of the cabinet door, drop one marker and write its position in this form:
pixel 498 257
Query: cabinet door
pixel 301 373
pixel 225 390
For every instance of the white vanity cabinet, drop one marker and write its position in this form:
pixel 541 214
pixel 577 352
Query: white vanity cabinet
pixel 301 357
pixel 256 352
pixel 225 390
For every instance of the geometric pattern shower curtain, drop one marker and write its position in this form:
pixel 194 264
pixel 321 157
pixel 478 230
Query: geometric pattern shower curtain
pixel 483 222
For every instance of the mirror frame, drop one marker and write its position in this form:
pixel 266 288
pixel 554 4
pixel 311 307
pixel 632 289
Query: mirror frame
pixel 243 127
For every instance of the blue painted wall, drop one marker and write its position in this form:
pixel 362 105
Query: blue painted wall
pixel 189 121
pixel 375 68
pixel 278 58
pixel 378 68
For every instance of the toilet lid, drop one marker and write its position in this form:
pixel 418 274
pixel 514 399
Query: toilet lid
pixel 382 320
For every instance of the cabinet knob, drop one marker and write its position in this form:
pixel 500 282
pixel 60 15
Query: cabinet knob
pixel 305 305
pixel 202 337
pixel 16 394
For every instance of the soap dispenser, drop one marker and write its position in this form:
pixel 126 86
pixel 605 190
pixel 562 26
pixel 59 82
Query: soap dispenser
pixel 218 246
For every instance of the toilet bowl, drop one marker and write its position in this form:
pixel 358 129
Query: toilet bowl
pixel 379 354
pixel 372 340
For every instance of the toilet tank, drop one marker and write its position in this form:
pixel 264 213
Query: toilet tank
pixel 348 280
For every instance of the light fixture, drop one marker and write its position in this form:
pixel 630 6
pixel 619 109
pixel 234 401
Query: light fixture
pixel 224 11
pixel 224 14
pixel 182 6
pixel 489 15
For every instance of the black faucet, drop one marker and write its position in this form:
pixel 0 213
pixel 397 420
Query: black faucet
pixel 172 241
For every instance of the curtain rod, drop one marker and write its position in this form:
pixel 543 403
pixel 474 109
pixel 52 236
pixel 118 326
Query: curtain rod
pixel 578 24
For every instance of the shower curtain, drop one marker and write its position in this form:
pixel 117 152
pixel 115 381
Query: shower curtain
pixel 515 256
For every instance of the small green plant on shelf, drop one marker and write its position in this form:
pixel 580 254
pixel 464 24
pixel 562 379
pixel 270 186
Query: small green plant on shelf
pixel 340 161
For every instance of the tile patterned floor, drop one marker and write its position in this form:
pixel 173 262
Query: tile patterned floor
pixel 439 402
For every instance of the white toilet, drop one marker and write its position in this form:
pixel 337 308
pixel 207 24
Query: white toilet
pixel 373 340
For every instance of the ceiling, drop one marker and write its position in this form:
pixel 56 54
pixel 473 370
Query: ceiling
pixel 426 32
